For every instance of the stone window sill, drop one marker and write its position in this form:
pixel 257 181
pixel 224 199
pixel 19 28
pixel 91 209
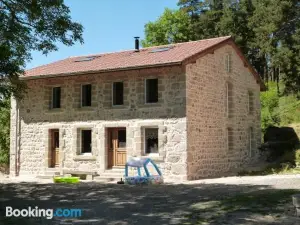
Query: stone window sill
pixel 84 158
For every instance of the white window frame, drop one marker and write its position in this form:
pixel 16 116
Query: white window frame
pixel 144 132
pixel 81 94
pixel 145 91
pixel 80 142
pixel 52 102
pixel 112 93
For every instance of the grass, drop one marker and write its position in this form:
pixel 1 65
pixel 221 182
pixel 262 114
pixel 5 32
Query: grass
pixel 264 202
pixel 283 168
pixel 288 163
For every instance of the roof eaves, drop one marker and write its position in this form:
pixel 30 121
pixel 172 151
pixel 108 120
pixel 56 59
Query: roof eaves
pixel 42 76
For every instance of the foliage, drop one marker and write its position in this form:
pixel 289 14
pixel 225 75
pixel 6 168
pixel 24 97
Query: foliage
pixel 172 27
pixel 267 31
pixel 289 109
pixel 278 109
pixel 4 131
pixel 31 25
pixel 269 107
pixel 288 163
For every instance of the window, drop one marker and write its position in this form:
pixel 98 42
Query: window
pixel 251 141
pixel 151 90
pixel 56 95
pixel 229 139
pixel 118 93
pixel 86 95
pixel 86 141
pixel 250 102
pixel 228 63
pixel 122 138
pixel 229 99
pixel 151 140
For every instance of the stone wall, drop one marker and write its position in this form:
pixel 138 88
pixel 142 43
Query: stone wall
pixel 37 118
pixel 218 142
pixel 198 136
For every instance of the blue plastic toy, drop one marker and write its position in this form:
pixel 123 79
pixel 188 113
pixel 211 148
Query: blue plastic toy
pixel 144 176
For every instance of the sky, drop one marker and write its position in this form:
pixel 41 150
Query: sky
pixel 109 25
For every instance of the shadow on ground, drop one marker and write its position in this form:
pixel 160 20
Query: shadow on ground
pixel 142 205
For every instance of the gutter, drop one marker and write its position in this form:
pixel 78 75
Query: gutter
pixel 100 71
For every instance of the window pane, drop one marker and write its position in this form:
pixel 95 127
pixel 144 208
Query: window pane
pixel 86 141
pixel 151 90
pixel 87 95
pixel 122 138
pixel 56 95
pixel 151 140
pixel 118 93
pixel 56 139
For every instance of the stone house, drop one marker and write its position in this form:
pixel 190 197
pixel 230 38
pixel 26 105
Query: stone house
pixel 192 107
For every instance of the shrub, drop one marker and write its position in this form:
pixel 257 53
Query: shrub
pixel 289 108
pixel 297 157
pixel 269 107
pixel 4 131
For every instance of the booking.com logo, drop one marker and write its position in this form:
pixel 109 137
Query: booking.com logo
pixel 37 212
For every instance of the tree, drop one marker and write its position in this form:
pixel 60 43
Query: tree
pixel 276 24
pixel 27 25
pixel 4 131
pixel 267 31
pixel 172 27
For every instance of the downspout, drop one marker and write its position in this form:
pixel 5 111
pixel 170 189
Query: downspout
pixel 16 138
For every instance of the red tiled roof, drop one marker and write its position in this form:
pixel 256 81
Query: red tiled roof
pixel 126 59
pixel 146 57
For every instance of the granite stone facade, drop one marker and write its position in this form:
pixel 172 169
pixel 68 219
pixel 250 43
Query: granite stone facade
pixel 219 131
pixel 191 116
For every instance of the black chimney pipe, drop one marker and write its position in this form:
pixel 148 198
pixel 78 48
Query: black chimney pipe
pixel 137 44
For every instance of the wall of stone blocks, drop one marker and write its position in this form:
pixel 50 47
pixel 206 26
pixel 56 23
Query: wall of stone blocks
pixel 37 118
pixel 208 153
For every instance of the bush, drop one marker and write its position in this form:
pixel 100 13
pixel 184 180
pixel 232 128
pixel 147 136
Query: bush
pixel 269 107
pixel 289 108
pixel 4 131
pixel 297 157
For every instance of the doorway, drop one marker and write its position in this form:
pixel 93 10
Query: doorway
pixel 116 147
pixel 54 149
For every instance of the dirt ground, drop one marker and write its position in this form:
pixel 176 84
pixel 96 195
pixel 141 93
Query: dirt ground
pixel 232 200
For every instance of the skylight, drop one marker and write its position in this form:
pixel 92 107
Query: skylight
pixel 84 59
pixel 160 49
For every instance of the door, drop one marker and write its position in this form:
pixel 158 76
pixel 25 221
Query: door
pixel 116 147
pixel 54 148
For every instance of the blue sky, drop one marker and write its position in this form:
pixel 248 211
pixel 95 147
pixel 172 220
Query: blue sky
pixel 109 25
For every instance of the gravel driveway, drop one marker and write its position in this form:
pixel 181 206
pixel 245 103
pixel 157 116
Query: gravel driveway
pixel 164 204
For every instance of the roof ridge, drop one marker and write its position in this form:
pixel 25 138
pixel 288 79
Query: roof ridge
pixel 151 47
